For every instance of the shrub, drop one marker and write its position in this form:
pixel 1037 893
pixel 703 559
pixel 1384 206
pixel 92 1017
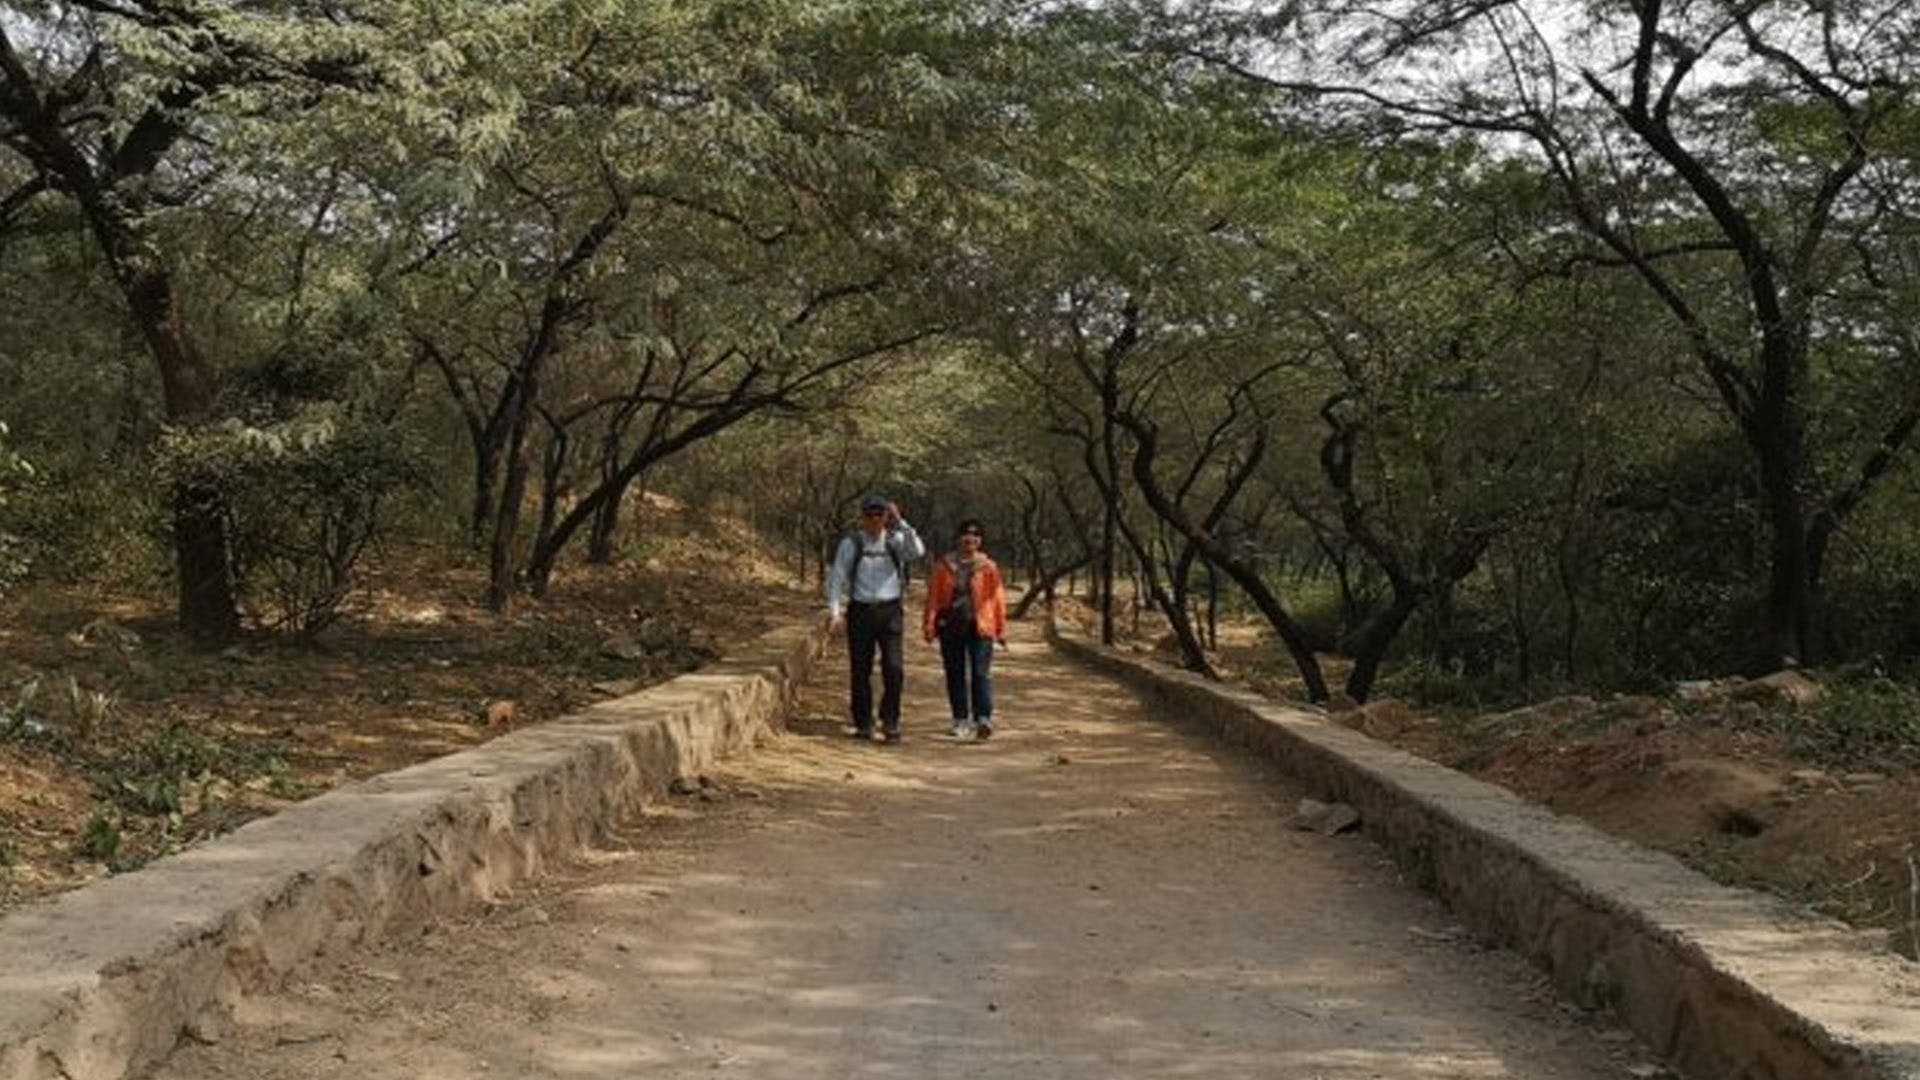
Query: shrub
pixel 305 497
pixel 1864 718
pixel 15 472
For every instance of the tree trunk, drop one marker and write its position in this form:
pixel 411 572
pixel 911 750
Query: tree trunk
pixel 208 602
pixel 506 521
pixel 552 490
pixel 1777 439
pixel 1789 592
pixel 606 519
pixel 1171 605
pixel 1213 607
pixel 1044 582
pixel 606 524
pixel 209 612
pixel 1374 638
pixel 1109 540
pixel 1292 636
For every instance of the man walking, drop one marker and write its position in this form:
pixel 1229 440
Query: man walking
pixel 866 594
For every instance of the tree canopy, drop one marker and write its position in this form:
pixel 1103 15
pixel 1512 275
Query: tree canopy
pixel 1496 340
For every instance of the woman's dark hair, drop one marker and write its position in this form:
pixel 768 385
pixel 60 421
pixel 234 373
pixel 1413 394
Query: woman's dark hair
pixel 971 525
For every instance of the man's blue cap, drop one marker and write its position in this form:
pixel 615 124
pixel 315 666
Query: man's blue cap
pixel 874 501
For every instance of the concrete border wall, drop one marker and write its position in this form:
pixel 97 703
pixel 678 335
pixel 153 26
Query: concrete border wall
pixel 1727 983
pixel 103 981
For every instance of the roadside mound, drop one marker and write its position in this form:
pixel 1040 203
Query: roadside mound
pixel 1731 785
pixel 1783 784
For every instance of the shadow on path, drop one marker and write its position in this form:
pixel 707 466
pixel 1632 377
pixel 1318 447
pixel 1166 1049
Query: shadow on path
pixel 1092 894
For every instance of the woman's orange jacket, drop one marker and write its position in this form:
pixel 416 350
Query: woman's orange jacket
pixel 989 596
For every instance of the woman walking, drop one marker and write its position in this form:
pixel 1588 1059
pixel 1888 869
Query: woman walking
pixel 967 611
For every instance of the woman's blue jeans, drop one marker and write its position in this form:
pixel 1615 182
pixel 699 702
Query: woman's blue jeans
pixel 969 664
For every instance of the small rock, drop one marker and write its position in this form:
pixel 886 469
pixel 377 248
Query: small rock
pixel 107 632
pixel 683 785
pixel 993 1006
pixel 1863 779
pixel 1705 689
pixel 616 687
pixel 1384 719
pixel 623 946
pixel 1635 707
pixel 1312 815
pixel 1062 759
pixel 622 647
pixel 500 713
pixel 298 1036
pixel 1648 1072
pixel 708 794
pixel 525 917
pixel 207 1029
pixel 1809 777
pixel 1340 818
pixel 656 634
pixel 1784 687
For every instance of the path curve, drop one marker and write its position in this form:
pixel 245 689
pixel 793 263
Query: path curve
pixel 1093 894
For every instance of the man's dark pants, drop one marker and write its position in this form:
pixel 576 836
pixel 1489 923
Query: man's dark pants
pixel 870 625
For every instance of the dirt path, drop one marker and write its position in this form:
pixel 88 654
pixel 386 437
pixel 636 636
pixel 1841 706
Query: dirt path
pixel 1091 895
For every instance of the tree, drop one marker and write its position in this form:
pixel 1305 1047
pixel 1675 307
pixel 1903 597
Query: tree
pixel 108 106
pixel 1744 161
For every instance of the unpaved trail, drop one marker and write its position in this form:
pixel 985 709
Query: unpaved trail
pixel 1091 895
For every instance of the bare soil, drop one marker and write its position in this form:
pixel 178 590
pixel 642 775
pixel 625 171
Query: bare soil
pixel 120 743
pixel 1093 893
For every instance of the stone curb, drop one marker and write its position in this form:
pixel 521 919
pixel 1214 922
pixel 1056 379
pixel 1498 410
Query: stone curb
pixel 104 980
pixel 1727 983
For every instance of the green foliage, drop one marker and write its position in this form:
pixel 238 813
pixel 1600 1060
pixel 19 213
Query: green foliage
pixel 15 472
pixel 371 223
pixel 169 771
pixel 17 720
pixel 101 839
pixel 92 522
pixel 1864 719
pixel 1429 681
pixel 306 497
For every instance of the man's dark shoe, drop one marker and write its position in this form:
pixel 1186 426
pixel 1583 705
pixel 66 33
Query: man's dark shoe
pixel 983 732
pixel 864 734
pixel 891 735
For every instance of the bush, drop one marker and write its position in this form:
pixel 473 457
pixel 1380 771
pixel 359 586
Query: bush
pixel 1865 719
pixel 166 771
pixel 15 472
pixel 304 499
pixel 96 524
